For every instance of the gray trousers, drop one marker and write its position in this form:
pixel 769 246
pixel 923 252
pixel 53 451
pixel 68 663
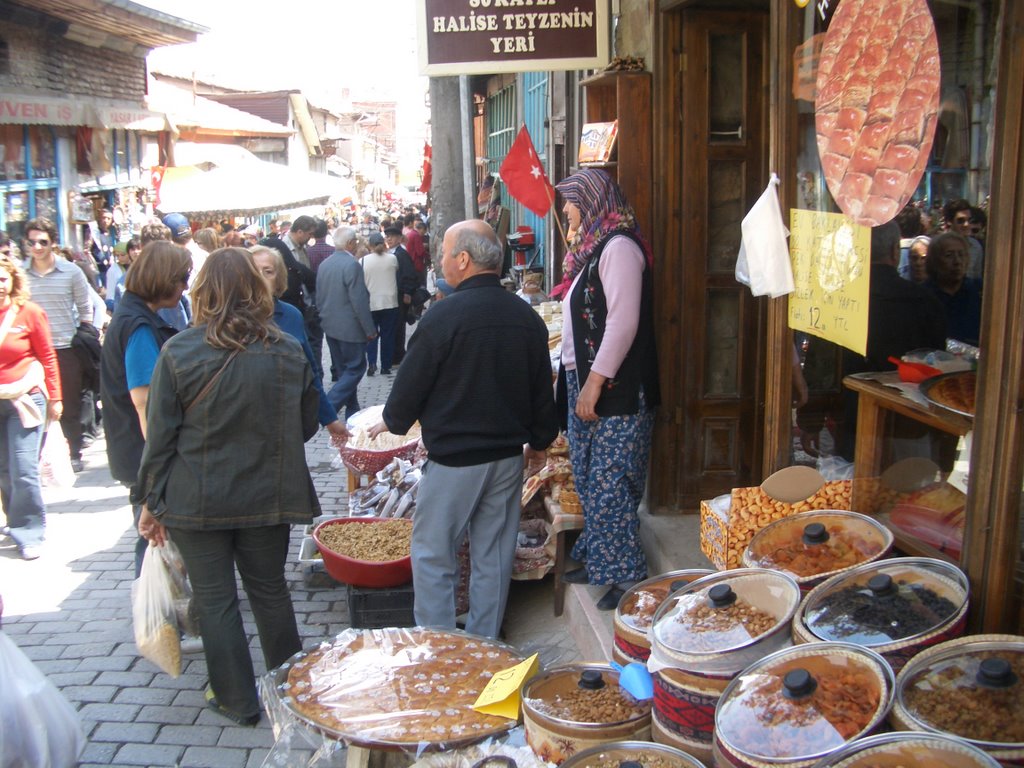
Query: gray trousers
pixel 485 500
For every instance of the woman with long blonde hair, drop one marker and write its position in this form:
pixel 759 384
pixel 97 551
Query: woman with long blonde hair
pixel 29 395
pixel 224 472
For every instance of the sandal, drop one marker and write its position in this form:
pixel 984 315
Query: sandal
pixel 212 703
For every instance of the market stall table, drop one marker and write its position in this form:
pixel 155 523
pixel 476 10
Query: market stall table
pixel 878 397
pixel 391 690
pixel 562 525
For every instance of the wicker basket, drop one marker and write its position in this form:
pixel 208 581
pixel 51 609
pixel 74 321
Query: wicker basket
pixel 367 461
pixel 569 501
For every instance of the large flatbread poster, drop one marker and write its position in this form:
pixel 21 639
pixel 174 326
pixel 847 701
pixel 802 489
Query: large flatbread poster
pixel 876 104
pixel 831 257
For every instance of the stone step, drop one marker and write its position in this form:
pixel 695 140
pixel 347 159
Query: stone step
pixel 671 543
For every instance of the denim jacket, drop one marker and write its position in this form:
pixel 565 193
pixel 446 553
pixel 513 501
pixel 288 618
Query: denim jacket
pixel 236 458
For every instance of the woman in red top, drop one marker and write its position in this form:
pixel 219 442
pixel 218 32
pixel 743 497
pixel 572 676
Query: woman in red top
pixel 29 395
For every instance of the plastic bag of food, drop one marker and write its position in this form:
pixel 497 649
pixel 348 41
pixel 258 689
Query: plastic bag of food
pixel 38 727
pixel 55 469
pixel 157 634
pixel 184 608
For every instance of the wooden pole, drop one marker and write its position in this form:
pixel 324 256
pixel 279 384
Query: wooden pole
pixel 558 219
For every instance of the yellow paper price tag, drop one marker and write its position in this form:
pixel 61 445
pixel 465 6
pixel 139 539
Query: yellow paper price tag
pixel 501 695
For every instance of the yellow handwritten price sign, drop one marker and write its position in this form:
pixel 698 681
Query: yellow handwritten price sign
pixel 501 696
pixel 831 258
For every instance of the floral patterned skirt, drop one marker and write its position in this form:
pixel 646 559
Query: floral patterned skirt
pixel 609 462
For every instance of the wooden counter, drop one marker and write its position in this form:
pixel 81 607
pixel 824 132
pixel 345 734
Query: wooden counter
pixel 876 400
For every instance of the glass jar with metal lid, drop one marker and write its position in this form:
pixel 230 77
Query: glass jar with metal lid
pixel 799 704
pixel 576 706
pixel 632 754
pixel 971 688
pixel 811 546
pixel 702 636
pixel 908 749
pixel 897 607
pixel 635 612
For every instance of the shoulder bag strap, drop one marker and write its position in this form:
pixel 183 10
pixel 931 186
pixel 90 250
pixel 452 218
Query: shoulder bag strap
pixel 213 380
pixel 12 312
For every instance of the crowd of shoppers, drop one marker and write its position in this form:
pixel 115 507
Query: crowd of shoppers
pixel 203 335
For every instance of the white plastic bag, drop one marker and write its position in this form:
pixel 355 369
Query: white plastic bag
pixel 154 616
pixel 38 727
pixel 55 460
pixel 763 262
pixel 181 589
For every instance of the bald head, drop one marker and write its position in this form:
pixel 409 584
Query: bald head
pixel 470 248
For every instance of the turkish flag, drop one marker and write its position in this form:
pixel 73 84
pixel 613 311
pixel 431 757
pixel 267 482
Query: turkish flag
pixel 156 178
pixel 524 175
pixel 428 168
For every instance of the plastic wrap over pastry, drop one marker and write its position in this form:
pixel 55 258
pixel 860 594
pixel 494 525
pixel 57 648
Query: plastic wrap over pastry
pixel 410 689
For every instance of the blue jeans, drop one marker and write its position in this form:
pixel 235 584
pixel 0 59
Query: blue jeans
pixel 260 554
pixel 385 320
pixel 349 360
pixel 19 474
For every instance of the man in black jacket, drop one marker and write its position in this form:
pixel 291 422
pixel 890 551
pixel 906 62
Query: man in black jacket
pixel 477 376
pixel 301 290
pixel 408 281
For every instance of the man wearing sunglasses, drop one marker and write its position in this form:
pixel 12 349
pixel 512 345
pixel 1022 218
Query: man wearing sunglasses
pixel 61 289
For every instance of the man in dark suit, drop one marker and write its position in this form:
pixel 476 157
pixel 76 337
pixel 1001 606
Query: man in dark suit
pixel 408 281
pixel 348 324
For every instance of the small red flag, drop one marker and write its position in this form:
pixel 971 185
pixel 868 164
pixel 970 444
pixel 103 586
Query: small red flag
pixel 428 168
pixel 524 175
pixel 156 178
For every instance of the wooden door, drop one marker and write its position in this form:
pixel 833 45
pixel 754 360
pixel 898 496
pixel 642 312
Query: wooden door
pixel 720 88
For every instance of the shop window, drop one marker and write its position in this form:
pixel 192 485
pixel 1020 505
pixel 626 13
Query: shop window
pixel 726 83
pixel 890 110
pixel 722 364
pixel 726 209
pixel 13 150
pixel 28 177
pixel 5 58
pixel 501 125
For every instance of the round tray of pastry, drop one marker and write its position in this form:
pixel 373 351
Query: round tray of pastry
pixel 396 688
pixel 952 391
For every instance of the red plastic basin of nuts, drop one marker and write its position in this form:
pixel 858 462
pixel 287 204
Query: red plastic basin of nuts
pixel 362 573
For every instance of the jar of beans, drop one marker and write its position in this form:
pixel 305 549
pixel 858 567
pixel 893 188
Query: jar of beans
pixel 643 753
pixel 573 707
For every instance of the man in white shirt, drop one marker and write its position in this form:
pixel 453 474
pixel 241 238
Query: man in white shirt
pixel 62 290
pixel 380 271
pixel 181 234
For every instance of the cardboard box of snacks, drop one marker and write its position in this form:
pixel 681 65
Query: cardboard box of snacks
pixel 727 523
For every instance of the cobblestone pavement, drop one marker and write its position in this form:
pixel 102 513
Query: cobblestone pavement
pixel 69 611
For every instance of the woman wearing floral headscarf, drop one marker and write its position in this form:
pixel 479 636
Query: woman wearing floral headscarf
pixel 608 381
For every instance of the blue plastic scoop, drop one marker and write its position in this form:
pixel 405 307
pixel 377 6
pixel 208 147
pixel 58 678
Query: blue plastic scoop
pixel 635 680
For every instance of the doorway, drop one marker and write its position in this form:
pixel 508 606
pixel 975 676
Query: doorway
pixel 715 150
